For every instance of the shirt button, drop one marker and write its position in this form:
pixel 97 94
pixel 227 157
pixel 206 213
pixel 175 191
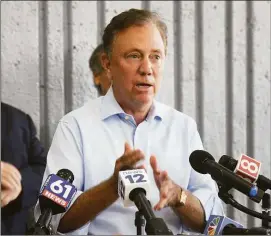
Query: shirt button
pixel 126 117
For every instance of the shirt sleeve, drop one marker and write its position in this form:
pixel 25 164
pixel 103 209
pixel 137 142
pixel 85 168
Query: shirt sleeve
pixel 65 152
pixel 202 185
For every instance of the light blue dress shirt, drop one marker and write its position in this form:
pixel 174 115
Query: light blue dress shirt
pixel 89 139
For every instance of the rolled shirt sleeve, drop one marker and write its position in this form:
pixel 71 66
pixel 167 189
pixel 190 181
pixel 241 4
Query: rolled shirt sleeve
pixel 65 152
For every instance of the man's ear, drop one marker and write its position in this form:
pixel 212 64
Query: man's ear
pixel 105 62
pixel 97 80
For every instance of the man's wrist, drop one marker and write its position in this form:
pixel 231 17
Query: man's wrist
pixel 181 198
pixel 113 183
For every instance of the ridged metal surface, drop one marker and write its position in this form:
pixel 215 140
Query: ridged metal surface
pixel 217 68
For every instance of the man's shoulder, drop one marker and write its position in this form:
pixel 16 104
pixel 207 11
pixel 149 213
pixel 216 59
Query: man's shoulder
pixel 88 110
pixel 173 114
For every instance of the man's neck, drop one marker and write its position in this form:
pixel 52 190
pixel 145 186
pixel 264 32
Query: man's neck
pixel 139 112
pixel 139 116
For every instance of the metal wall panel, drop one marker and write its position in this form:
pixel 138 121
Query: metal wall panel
pixel 217 69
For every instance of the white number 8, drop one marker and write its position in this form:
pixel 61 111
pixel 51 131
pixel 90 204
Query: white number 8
pixel 250 166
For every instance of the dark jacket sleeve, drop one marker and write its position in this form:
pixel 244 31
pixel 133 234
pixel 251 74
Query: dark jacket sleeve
pixel 32 173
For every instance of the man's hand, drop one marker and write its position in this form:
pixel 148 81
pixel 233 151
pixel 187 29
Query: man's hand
pixel 128 160
pixel 169 191
pixel 10 183
pixel 192 214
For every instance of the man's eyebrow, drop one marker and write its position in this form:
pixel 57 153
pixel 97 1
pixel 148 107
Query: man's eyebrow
pixel 134 49
pixel 138 50
pixel 157 51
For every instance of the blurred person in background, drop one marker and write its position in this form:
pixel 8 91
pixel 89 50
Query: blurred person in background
pixel 23 161
pixel 100 76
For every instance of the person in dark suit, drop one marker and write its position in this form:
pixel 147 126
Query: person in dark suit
pixel 23 161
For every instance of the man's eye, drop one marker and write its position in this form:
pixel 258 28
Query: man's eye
pixel 157 57
pixel 133 56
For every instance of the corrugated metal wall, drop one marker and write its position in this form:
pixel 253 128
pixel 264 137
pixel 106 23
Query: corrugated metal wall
pixel 217 70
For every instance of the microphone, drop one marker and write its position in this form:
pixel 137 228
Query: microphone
pixel 247 168
pixel 55 197
pixel 130 180
pixel 203 162
pixel 216 224
pixel 232 230
pixel 133 188
pixel 222 225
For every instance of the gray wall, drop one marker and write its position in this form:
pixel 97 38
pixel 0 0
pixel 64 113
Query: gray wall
pixel 217 70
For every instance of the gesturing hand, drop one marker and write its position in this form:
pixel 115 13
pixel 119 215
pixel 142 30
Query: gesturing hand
pixel 10 183
pixel 169 191
pixel 128 160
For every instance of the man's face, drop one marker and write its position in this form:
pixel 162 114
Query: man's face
pixel 136 65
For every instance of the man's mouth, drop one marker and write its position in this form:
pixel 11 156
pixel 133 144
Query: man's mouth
pixel 143 85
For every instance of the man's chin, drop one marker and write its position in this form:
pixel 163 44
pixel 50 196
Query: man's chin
pixel 144 100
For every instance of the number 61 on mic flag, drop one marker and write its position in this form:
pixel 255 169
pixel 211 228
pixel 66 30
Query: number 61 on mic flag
pixel 129 180
pixel 59 191
pixel 248 168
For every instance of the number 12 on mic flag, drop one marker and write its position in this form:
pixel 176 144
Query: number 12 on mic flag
pixel 248 168
pixel 129 180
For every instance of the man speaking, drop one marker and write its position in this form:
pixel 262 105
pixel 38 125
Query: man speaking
pixel 128 129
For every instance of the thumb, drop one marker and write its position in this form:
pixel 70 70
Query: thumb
pixel 127 147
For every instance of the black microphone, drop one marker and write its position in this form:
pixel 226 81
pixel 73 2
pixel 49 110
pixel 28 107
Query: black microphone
pixel 231 164
pixel 55 197
pixel 203 162
pixel 154 225
pixel 133 186
pixel 231 229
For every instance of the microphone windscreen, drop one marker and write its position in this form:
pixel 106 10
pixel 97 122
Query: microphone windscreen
pixel 197 159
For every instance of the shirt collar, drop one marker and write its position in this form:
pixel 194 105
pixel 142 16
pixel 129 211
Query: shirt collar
pixel 111 107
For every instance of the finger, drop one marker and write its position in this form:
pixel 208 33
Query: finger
pixel 164 196
pixel 161 204
pixel 4 203
pixel 127 148
pixel 8 182
pixel 154 165
pixel 4 193
pixel 6 198
pixel 12 172
pixel 10 178
pixel 163 176
pixel 132 158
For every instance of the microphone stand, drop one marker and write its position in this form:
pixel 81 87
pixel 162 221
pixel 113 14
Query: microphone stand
pixel 229 230
pixel 228 199
pixel 139 223
pixel 42 227
pixel 154 225
pixel 266 209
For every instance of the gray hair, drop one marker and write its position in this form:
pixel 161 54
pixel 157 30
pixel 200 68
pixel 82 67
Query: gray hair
pixel 130 18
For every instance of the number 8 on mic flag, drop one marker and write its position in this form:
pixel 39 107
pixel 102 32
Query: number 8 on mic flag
pixel 248 168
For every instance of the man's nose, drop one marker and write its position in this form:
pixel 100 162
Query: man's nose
pixel 145 67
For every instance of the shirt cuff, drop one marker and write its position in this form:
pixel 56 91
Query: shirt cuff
pixel 210 202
